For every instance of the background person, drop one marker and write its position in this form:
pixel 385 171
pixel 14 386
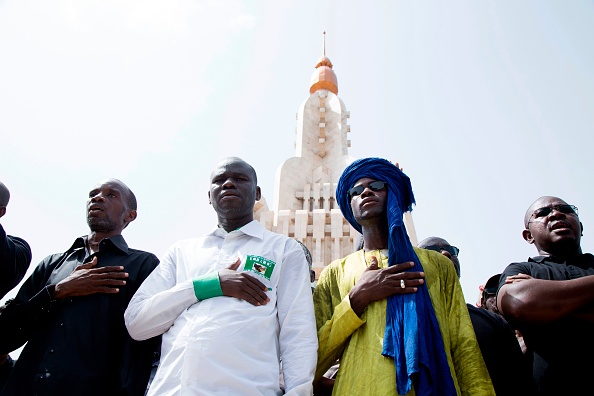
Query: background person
pixel 508 368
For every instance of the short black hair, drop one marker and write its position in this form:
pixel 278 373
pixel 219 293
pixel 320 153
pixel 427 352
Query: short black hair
pixel 130 197
pixel 237 159
pixel 4 195
pixel 131 200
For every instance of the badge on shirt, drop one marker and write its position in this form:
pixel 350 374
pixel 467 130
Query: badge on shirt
pixel 260 265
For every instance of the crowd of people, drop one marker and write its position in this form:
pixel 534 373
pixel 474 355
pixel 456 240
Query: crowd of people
pixel 235 312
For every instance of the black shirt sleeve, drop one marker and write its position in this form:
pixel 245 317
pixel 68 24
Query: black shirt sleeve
pixel 21 316
pixel 15 257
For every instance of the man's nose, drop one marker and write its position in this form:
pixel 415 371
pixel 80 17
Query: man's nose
pixel 229 183
pixel 97 197
pixel 446 253
pixel 555 212
pixel 366 192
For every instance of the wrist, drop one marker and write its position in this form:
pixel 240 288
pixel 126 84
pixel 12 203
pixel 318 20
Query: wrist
pixel 357 305
pixel 51 291
pixel 56 292
pixel 207 286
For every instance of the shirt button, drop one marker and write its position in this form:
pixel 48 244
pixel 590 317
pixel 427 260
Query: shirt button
pixel 52 350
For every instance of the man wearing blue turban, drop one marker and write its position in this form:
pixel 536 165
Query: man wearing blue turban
pixel 393 314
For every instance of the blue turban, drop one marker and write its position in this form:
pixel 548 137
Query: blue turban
pixel 412 337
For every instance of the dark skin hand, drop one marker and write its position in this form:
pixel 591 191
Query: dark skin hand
pixel 242 285
pixel 377 284
pixel 86 279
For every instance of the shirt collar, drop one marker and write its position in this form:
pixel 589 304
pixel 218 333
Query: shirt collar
pixel 541 259
pixel 116 241
pixel 253 229
pixel 538 259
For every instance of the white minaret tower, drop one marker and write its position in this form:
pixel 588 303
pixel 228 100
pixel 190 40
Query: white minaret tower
pixel 305 204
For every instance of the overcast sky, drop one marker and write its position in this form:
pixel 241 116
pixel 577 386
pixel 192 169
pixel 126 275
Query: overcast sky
pixel 486 104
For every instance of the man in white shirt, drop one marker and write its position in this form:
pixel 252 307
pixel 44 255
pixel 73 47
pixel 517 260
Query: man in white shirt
pixel 231 304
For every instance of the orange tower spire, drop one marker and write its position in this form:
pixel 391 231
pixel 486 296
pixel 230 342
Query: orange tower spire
pixel 324 77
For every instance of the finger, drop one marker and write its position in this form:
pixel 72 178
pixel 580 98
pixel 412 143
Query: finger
pixel 241 285
pixel 409 275
pixel 409 289
pixel 255 283
pixel 235 265
pixel 408 285
pixel 253 299
pixel 112 275
pixel 111 282
pixel 111 269
pixel 108 290
pixel 254 288
pixel 512 278
pixel 395 280
pixel 88 265
pixel 398 268
pixel 373 265
pixel 243 288
pixel 256 296
pixel 413 283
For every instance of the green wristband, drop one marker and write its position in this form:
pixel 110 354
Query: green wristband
pixel 207 286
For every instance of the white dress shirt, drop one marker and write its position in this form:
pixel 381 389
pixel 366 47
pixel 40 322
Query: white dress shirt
pixel 225 345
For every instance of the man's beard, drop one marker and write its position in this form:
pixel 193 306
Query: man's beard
pixel 104 224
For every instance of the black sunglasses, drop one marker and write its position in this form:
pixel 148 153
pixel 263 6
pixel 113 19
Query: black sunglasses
pixel 453 250
pixel 490 291
pixel 373 186
pixel 547 210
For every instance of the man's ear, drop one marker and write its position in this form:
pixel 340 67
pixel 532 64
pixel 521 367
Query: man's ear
pixel 209 201
pixel 581 226
pixel 2 211
pixel 258 193
pixel 527 235
pixel 131 216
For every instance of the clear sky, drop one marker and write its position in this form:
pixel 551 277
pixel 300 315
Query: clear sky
pixel 486 104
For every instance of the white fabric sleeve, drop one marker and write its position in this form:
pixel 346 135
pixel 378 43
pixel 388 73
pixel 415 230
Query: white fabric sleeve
pixel 298 337
pixel 159 301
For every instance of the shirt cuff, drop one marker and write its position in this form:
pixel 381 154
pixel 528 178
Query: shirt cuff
pixel 345 310
pixel 207 286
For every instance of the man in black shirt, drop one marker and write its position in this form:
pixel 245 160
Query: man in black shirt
pixel 550 299
pixel 70 312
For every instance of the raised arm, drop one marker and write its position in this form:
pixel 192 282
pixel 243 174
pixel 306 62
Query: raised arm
pixel 377 284
pixel 162 297
pixel 339 311
pixel 27 311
